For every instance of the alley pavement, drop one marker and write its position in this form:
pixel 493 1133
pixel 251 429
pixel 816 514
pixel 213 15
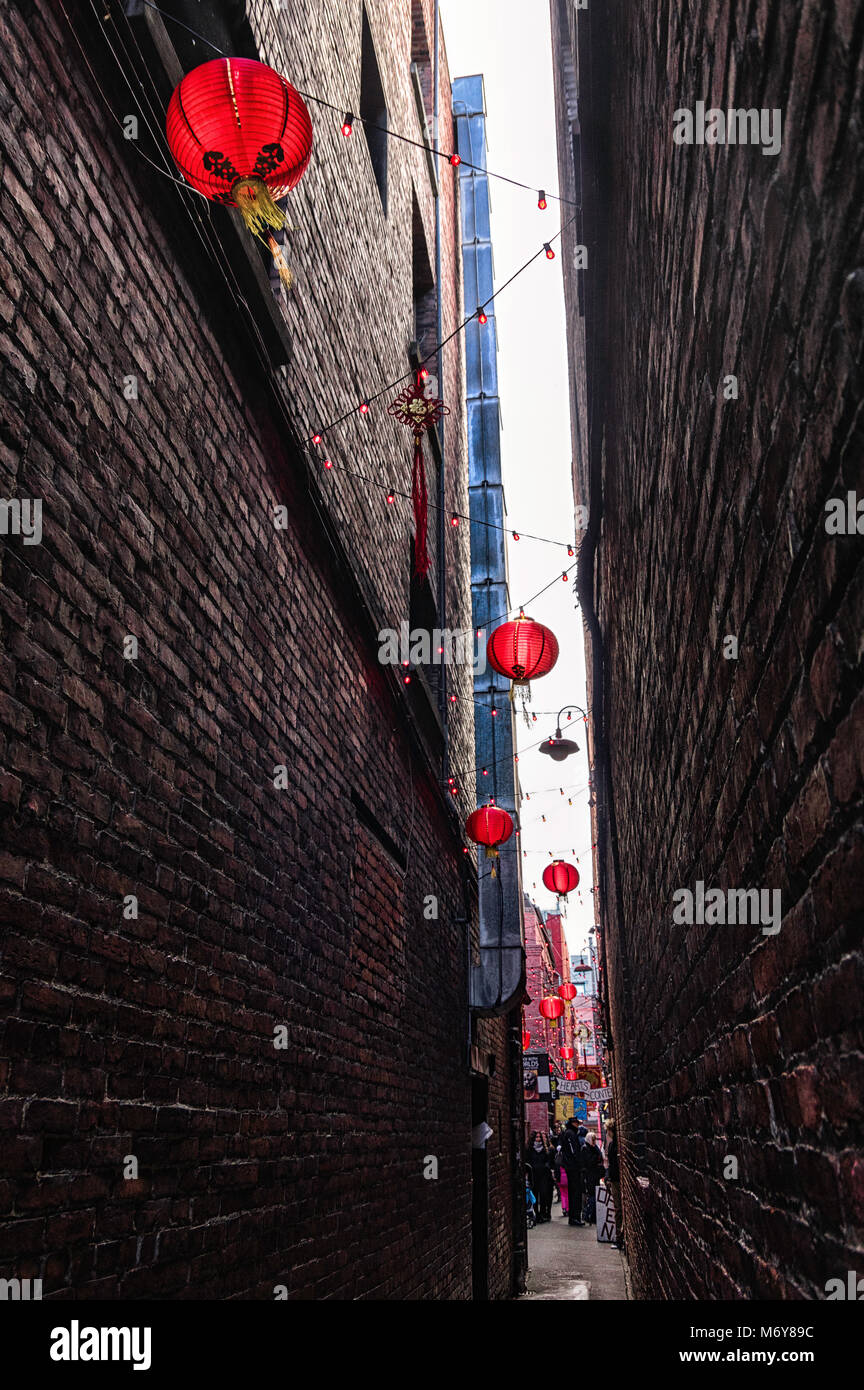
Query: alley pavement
pixel 568 1262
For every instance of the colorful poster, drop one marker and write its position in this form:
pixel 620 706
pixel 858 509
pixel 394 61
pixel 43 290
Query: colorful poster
pixel 580 1108
pixel 535 1076
pixel 563 1110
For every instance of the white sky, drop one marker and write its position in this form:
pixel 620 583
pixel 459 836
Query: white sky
pixel 514 54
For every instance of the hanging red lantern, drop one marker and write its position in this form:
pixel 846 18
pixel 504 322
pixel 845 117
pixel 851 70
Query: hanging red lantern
pixel 567 991
pixel 572 1076
pixel 240 134
pixel 567 1053
pixel 551 1008
pixel 560 877
pixel 420 411
pixel 522 651
pixel 489 826
pixel 526 1039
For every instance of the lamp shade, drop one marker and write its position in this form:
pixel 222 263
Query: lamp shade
pixel 234 118
pixel 522 650
pixel 489 826
pixel 560 877
pixel 240 134
pixel 551 1007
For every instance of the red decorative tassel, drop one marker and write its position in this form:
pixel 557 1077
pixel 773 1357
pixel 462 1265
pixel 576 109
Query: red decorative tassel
pixel 420 500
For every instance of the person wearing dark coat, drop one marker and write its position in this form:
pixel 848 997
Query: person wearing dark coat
pixel 539 1159
pixel 592 1172
pixel 571 1162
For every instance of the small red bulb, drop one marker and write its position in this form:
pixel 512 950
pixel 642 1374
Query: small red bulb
pixel 363 407
pixel 515 535
pixel 455 159
pixel 316 439
pixel 391 497
pixel 569 550
pixel 565 576
pixel 454 520
pixel 481 317
pixel 453 699
pixel 348 124
pixel 407 680
pixel 327 463
pixel 541 201
pixel 424 373
pixel 550 254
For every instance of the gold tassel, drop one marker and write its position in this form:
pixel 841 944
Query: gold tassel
pixel 257 207
pixel 285 274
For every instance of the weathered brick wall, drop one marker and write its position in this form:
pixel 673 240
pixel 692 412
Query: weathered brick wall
pixel 747 772
pixel 257 907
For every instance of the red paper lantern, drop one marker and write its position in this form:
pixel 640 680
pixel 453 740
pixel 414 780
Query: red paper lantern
pixel 240 134
pixel 522 650
pixel 572 1076
pixel 489 826
pixel 567 1053
pixel 526 1038
pixel 560 877
pixel 567 991
pixel 551 1008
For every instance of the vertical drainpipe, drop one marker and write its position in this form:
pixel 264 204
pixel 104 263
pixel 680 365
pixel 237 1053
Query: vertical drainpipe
pixel 442 584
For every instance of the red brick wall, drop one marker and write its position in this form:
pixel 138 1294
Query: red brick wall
pixel 258 907
pixel 742 773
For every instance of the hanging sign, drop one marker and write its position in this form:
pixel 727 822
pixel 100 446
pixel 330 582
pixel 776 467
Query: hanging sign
pixel 573 1088
pixel 602 1093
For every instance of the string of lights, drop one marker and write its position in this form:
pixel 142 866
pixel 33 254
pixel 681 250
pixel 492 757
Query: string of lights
pixel 364 406
pixel 349 120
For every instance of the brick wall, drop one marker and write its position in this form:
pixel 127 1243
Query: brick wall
pixel 154 1036
pixel 709 262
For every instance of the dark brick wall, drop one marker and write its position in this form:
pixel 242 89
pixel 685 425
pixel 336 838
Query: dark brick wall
pixel 257 907
pixel 711 261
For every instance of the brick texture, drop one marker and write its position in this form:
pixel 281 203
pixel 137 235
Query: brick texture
pixel 154 1036
pixel 706 262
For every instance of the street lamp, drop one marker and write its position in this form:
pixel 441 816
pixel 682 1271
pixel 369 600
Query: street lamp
pixel 559 748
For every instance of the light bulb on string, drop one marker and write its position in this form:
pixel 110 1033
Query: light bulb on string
pixel 348 124
pixel 550 254
pixel 481 317
pixel 541 200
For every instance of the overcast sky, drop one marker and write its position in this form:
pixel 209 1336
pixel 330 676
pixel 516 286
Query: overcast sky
pixel 514 54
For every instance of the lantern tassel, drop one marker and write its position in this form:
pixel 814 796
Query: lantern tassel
pixel 492 853
pixel 285 274
pixel 257 208
pixel 420 502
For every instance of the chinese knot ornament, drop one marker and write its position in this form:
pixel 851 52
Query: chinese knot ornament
pixel 419 411
pixel 241 135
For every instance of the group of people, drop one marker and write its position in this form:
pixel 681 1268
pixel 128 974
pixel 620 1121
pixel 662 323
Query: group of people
pixel 571 1163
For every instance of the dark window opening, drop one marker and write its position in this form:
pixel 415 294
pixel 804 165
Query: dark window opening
pixel 373 110
pixel 425 299
pixel 423 614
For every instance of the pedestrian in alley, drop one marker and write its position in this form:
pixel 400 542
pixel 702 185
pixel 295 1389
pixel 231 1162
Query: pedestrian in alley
pixel 539 1158
pixel 571 1163
pixel 561 1173
pixel 592 1172
pixel 613 1181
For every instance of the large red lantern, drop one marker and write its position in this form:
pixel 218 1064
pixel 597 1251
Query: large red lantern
pixel 551 1008
pixel 526 1039
pixel 560 877
pixel 522 650
pixel 240 134
pixel 567 1053
pixel 567 991
pixel 489 826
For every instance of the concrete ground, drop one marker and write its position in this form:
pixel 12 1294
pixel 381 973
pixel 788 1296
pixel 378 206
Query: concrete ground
pixel 567 1262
